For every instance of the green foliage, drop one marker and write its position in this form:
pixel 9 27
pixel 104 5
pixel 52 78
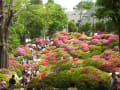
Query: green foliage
pixel 104 48
pixel 17 27
pixel 112 45
pixel 18 71
pixel 50 1
pixel 85 5
pixel 99 44
pixel 99 25
pixel 94 63
pixel 109 9
pixel 84 55
pixel 44 68
pixel 36 1
pixel 61 67
pixel 2 76
pixel 56 18
pixel 36 19
pixel 71 26
pixel 14 40
pixel 32 20
pixel 84 28
pixel 27 56
pixel 96 50
pixel 114 27
pixel 83 78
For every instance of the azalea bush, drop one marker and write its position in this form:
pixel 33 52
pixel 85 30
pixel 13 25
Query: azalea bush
pixel 16 67
pixel 23 51
pixel 83 78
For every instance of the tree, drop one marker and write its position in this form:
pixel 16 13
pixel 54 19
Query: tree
pixel 32 20
pixel 55 17
pixel 99 25
pixel 85 28
pixel 86 5
pixel 50 1
pixel 108 25
pixel 36 1
pixel 71 26
pixel 5 21
pixel 110 9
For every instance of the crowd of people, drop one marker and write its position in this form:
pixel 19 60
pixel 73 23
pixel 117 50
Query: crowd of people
pixel 27 75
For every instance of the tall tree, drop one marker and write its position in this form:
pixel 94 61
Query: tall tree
pixel 6 13
pixel 110 9
pixel 55 17
pixel 50 1
pixel 84 5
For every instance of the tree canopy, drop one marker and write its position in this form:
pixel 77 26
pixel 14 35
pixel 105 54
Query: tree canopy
pixel 84 5
pixel 50 1
pixel 111 10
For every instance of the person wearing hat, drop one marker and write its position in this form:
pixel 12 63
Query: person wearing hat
pixel 2 84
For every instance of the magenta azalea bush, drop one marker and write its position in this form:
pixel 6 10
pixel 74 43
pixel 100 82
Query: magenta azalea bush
pixel 23 51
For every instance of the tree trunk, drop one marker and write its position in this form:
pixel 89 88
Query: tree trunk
pixel 22 39
pixel 3 36
pixel 119 39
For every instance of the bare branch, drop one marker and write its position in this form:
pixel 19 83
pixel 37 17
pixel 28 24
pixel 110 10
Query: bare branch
pixel 16 12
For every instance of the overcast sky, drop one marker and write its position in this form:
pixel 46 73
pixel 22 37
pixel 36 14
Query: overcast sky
pixel 68 4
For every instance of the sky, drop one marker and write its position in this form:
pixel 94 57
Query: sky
pixel 68 4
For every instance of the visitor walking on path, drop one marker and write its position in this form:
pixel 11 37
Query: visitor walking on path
pixel 2 84
pixel 12 81
pixel 24 79
pixel 118 81
pixel 113 82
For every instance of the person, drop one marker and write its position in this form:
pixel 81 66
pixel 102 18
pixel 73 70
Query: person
pixel 118 86
pixel 100 86
pixel 39 47
pixel 24 71
pixel 24 79
pixel 12 81
pixel 113 82
pixel 2 84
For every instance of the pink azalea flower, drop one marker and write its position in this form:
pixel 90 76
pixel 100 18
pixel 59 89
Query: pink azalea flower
pixel 62 49
pixel 94 41
pixel 21 51
pixel 97 37
pixel 108 52
pixel 106 41
pixel 116 48
pixel 11 57
pixel 62 38
pixel 96 57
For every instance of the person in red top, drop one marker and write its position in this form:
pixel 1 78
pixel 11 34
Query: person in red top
pixel 3 85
